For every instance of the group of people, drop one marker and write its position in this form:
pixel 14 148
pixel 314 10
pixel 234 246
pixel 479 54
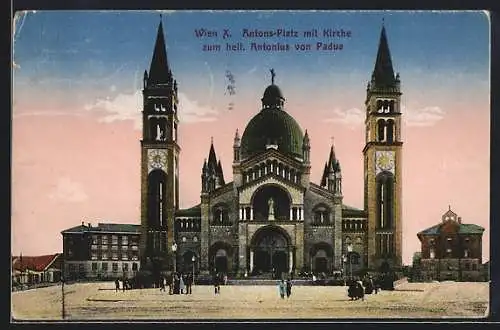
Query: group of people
pixel 285 288
pixel 125 284
pixel 178 283
pixel 357 288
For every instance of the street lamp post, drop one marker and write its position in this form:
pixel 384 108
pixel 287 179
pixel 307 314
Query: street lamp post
pixel 344 263
pixel 349 251
pixel 174 250
pixel 63 311
pixel 193 259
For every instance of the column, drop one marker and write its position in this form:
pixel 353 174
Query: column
pixel 241 213
pixel 291 213
pixel 290 261
pixel 251 213
pixel 251 260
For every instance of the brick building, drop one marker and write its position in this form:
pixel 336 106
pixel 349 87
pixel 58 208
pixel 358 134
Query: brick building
pixel 271 216
pixel 451 250
pixel 103 251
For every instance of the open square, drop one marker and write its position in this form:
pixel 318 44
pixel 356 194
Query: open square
pixel 99 301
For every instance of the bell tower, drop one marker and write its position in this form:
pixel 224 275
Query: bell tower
pixel 159 160
pixel 383 162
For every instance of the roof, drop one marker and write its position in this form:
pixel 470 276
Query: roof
pixel 464 229
pixel 104 227
pixel 272 126
pixel 194 211
pixel 352 211
pixel 383 73
pixel 35 263
pixel 159 71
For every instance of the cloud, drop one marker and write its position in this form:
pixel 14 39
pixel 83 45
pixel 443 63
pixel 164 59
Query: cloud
pixel 46 113
pixel 423 117
pixel 190 111
pixel 128 107
pixel 69 191
pixel 351 117
pixel 427 116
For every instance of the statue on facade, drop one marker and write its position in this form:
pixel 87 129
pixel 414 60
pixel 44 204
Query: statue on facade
pixel 270 203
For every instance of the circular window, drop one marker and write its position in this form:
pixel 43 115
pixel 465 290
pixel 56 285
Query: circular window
pixel 184 239
pixel 195 239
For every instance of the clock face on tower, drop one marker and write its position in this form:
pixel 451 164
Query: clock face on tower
pixel 384 161
pixel 157 158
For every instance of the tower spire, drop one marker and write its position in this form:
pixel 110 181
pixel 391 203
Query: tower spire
pixel 212 158
pixel 159 71
pixel 383 73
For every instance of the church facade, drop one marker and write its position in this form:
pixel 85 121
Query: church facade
pixel 271 217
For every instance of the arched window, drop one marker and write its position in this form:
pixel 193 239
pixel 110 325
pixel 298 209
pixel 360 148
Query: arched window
pixel 385 197
pixel 220 215
pixel 354 256
pixel 321 215
pixel 380 130
pixel 390 131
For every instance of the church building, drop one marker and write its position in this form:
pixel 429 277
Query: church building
pixel 272 217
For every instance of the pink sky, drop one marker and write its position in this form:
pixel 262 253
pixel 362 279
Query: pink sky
pixel 79 167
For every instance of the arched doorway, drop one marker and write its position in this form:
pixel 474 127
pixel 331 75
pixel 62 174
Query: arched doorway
pixel 220 261
pixel 188 265
pixel 321 258
pixel 220 254
pixel 271 251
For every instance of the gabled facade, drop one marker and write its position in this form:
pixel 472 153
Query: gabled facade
pixel 271 218
pixel 36 269
pixel 451 250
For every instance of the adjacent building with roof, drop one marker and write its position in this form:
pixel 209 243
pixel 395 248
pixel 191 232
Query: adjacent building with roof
pixel 36 269
pixel 451 250
pixel 272 216
pixel 104 251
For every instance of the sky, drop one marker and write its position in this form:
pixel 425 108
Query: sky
pixel 77 80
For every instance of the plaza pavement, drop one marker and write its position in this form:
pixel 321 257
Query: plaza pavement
pixel 99 301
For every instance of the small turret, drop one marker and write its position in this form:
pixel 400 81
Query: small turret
pixel 145 79
pixel 236 147
pixel 306 148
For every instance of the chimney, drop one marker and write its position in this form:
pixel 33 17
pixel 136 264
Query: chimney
pixel 83 223
pixel 459 219
pixel 90 226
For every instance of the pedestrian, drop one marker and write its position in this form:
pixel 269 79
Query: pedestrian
pixel 124 285
pixel 215 280
pixel 163 283
pixel 288 288
pixel 190 280
pixel 181 283
pixel 117 285
pixel 282 288
pixel 170 279
pixel 360 290
pixel 225 279
pixel 176 283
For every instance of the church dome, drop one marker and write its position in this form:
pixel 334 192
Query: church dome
pixel 272 127
pixel 273 92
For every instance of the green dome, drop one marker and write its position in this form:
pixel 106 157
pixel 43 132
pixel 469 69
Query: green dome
pixel 272 126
